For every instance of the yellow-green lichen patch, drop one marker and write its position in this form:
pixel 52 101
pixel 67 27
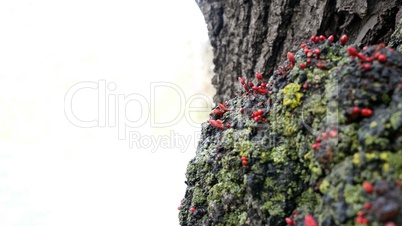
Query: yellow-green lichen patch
pixel 353 193
pixel 394 161
pixel 278 154
pixel 324 186
pixel 237 139
pixel 292 95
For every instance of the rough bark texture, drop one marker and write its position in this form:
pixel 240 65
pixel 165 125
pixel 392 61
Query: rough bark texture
pixel 252 35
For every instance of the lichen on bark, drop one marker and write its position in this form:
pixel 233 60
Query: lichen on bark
pixel 326 132
pixel 396 38
pixel 249 36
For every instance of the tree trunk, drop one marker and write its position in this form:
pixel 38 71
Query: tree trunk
pixel 250 36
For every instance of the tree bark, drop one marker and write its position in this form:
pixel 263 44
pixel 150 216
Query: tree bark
pixel 254 35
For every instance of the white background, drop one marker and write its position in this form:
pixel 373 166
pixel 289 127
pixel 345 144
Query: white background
pixel 55 173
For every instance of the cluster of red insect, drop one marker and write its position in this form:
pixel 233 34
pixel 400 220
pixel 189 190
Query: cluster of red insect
pixel 284 70
pixel 333 133
pixel 261 88
pixel 309 220
pixel 315 53
pixel 257 115
pixel 365 61
pixel 361 219
pixel 368 188
pixel 218 124
pixel 218 111
pixel 356 112
pixel 365 112
pixel 244 161
pixel 317 39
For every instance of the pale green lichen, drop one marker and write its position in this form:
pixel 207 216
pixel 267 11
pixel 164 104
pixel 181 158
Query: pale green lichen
pixel 352 194
pixel 324 186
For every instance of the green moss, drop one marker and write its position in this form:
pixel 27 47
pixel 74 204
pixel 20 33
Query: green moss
pixel 215 193
pixel 394 161
pixel 273 209
pixel 199 197
pixel 276 210
pixel 396 120
pixel 278 154
pixel 269 182
pixel 352 193
pixel 267 205
pixel 242 218
pixel 237 139
pixel 308 200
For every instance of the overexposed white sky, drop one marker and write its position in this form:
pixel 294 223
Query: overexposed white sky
pixel 131 71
